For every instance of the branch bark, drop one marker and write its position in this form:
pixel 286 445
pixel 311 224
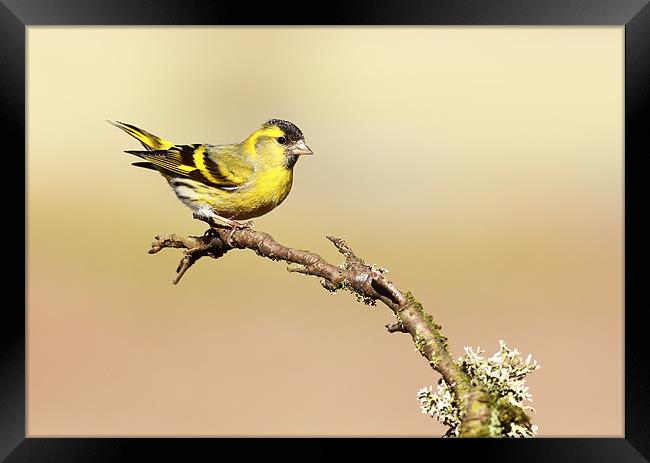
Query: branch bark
pixel 369 284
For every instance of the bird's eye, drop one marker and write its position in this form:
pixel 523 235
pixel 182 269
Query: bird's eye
pixel 281 140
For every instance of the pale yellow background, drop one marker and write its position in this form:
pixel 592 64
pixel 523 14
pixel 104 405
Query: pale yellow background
pixel 482 166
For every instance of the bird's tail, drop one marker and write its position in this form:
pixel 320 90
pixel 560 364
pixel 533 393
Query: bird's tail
pixel 148 140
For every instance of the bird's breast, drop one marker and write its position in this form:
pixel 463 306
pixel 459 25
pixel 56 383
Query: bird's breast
pixel 264 193
pixel 272 186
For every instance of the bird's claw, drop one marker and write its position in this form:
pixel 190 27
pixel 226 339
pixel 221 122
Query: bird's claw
pixel 238 226
pixel 233 225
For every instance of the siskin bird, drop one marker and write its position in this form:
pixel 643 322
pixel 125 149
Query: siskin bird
pixel 227 183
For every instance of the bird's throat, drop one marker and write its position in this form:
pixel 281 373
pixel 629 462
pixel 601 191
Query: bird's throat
pixel 291 161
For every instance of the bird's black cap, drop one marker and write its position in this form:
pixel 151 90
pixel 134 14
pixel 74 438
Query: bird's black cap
pixel 291 131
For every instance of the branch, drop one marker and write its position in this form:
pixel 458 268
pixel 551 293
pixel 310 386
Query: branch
pixel 369 284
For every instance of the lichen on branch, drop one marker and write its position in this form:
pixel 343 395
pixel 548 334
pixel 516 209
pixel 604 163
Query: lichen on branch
pixel 478 412
pixel 502 376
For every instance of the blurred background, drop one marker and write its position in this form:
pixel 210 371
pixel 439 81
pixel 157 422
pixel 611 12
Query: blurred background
pixel 482 166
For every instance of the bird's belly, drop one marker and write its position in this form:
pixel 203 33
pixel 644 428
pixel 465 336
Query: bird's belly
pixel 246 202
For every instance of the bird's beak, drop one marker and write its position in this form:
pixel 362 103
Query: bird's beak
pixel 299 148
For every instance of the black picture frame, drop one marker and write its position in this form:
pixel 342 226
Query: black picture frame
pixel 16 15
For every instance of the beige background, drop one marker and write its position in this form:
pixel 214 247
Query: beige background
pixel 482 166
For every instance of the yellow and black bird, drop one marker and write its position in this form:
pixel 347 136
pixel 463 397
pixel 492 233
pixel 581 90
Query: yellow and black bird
pixel 227 183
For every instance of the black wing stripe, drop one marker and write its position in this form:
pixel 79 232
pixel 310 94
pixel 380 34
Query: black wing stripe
pixel 146 165
pixel 199 177
pixel 162 153
pixel 186 153
pixel 214 170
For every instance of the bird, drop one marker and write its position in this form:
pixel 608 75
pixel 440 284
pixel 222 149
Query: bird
pixel 228 183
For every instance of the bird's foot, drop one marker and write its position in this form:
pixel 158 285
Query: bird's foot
pixel 234 226
pixel 217 222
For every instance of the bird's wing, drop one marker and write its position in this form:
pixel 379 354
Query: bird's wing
pixel 220 166
pixel 230 162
